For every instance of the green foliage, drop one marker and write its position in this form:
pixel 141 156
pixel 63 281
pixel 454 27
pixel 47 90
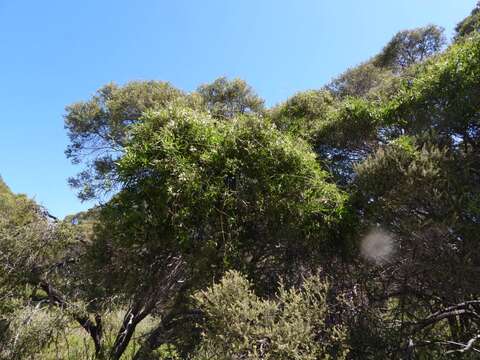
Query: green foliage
pixel 97 129
pixel 377 77
pixel 30 247
pixel 469 25
pixel 364 80
pixel 352 124
pixel 410 46
pixel 4 189
pixel 309 105
pixel 205 183
pixel 300 114
pixel 293 325
pixel 225 99
pixel 25 241
pixel 237 194
pixel 444 97
pixel 30 331
pixel 428 197
pixel 401 163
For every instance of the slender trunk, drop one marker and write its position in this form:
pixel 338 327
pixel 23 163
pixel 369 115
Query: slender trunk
pixel 163 332
pixel 155 339
pixel 94 329
pixel 130 322
pixel 146 302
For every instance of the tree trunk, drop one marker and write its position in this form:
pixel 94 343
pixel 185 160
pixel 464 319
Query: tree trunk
pixel 94 329
pixel 147 301
pixel 130 322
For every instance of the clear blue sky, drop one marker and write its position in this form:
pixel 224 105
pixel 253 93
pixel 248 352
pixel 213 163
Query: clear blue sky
pixel 56 52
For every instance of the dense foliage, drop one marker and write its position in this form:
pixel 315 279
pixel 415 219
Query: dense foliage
pixel 340 224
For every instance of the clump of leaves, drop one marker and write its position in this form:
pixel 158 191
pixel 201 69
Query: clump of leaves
pixel 292 325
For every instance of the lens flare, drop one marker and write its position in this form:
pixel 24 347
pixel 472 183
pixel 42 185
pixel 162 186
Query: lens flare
pixel 378 246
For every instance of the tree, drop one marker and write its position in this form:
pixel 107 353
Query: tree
pixel 423 189
pixel 442 97
pixel 409 186
pixel 225 99
pixel 36 252
pixel 428 202
pixel 470 24
pixel 300 113
pixel 163 213
pixel 409 47
pixel 376 77
pixel 97 129
pixel 211 196
pixel 360 81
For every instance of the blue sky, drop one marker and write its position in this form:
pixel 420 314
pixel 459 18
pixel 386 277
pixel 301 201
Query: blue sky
pixel 54 53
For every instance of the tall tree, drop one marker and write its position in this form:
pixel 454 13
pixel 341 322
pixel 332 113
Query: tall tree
pixel 212 196
pixel 411 46
pixel 97 129
pixel 226 99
